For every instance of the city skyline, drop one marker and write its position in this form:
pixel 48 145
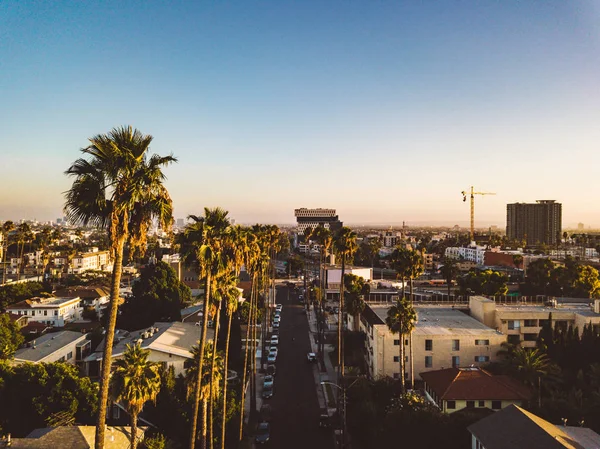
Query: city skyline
pixel 383 111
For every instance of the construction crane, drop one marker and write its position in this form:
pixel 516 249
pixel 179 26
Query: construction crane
pixel 473 193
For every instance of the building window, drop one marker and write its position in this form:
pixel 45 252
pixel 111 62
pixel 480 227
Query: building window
pixel 513 339
pixel 482 342
pixel 496 405
pixel 514 324
pixel 456 345
pixel 396 375
pixel 396 358
pixel 451 405
pixel 56 313
pixel 405 342
pixel 482 358
pixel 69 355
pixel 530 337
pixel 45 313
pixel 470 404
pixel 396 342
pixel 530 323
pixel 455 361
pixel 428 361
pixel 428 345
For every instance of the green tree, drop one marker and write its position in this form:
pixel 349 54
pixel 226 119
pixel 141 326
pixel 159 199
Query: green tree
pixel 587 282
pixel 134 382
pixel 399 261
pixel 119 188
pixel 486 282
pixel 401 319
pixel 10 337
pixel 13 293
pixel 356 290
pixel 414 262
pixel 158 295
pixel 7 227
pixel 539 276
pixel 345 245
pixel 449 271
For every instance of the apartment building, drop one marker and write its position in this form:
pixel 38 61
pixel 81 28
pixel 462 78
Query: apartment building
pixel 50 311
pixel 91 260
pixel 443 337
pixel 317 217
pixel 66 346
pixel 472 253
pixel 537 223
pixel 521 323
pixel 333 275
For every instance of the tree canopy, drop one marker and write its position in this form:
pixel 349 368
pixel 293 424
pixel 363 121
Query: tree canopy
pixel 10 337
pixel 486 282
pixel 13 293
pixel 573 279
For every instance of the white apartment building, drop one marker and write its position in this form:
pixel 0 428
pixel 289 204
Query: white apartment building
pixel 443 338
pixel 66 346
pixel 51 311
pixel 92 260
pixel 333 275
pixel 473 253
pixel 521 323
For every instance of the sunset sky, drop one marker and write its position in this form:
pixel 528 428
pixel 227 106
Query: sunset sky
pixel 384 110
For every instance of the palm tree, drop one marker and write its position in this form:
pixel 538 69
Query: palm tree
pixel 121 189
pixel 24 235
pixel 414 270
pixel 135 381
pixel 205 240
pixel 449 271
pixel 399 262
pixel 345 245
pixel 357 289
pixel 202 361
pixel 401 319
pixel 7 228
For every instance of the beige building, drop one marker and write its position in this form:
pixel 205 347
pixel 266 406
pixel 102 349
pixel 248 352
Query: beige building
pixel 443 338
pixel 522 322
pixel 92 260
pixel 50 311
pixel 66 346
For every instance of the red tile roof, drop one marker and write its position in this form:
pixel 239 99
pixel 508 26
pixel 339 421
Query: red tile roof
pixel 473 384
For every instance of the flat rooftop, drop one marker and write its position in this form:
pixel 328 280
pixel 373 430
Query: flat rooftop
pixel 584 309
pixel 33 303
pixel 46 345
pixel 440 320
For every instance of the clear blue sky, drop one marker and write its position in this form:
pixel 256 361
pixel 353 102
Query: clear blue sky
pixel 383 110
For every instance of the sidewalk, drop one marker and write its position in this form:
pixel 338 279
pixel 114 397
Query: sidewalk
pixel 330 373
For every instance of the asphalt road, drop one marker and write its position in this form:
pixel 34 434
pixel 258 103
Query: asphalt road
pixel 295 422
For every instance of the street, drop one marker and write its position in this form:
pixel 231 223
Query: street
pixel 295 405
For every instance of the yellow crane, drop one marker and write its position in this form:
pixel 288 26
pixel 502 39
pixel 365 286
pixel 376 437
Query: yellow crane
pixel 473 193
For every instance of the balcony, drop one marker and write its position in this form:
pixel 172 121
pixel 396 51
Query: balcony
pixel 531 329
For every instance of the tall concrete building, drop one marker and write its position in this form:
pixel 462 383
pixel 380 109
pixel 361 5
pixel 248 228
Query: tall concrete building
pixel 316 217
pixel 537 223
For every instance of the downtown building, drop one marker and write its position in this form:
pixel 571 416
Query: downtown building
pixel 536 223
pixel 317 217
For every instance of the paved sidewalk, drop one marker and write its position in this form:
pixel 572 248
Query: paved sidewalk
pixel 330 373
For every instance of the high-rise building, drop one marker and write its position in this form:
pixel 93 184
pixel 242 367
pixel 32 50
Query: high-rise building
pixel 316 217
pixel 537 223
pixel 180 223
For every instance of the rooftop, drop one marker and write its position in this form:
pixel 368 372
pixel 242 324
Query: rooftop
pixel 517 428
pixel 46 345
pixel 584 308
pixel 473 384
pixel 83 292
pixel 34 303
pixel 438 320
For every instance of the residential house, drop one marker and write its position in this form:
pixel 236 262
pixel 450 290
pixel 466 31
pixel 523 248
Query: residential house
pixel 97 298
pixel 91 260
pixel 443 337
pixel 52 311
pixel 454 389
pixel 65 346
pixel 72 437
pixel 169 344
pixel 516 428
pixel 21 320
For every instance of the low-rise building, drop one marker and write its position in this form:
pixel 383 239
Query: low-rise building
pixel 333 275
pixel 443 337
pixel 51 311
pixel 454 389
pixel 516 428
pixel 472 253
pixel 93 260
pixel 65 346
pixel 72 437
pixel 97 298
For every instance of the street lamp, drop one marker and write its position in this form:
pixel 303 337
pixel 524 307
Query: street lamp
pixel 343 389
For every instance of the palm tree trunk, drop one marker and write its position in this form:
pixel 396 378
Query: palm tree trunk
pixel 134 417
pixel 410 343
pixel 253 356
pixel 224 412
pixel 248 335
pixel 340 322
pixel 108 343
pixel 194 429
pixel 403 287
pixel 212 377
pixel 5 245
pixel 402 364
pixel 204 413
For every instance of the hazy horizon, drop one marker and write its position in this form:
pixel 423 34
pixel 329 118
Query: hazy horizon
pixel 385 111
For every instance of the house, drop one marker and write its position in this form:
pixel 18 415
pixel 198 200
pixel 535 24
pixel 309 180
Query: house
pixel 65 346
pixel 454 389
pixel 91 260
pixel 21 320
pixel 72 437
pixel 515 428
pixel 52 311
pixel 96 297
pixel 169 344
pixel 443 337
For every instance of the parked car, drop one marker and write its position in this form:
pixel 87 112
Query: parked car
pixel 263 433
pixel 324 419
pixel 267 393
pixel 275 340
pixel 275 330
pixel 311 357
pixel 275 326
pixel 279 307
pixel 273 350
pixel 271 370
pixel 266 413
pixel 272 358
pixel 268 381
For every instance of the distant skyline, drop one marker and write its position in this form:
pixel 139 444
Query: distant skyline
pixel 385 110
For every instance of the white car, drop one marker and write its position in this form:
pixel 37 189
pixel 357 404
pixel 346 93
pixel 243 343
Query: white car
pixel 279 307
pixel 275 340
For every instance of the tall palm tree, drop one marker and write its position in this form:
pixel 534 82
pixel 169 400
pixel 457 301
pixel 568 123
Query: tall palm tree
pixel 202 361
pixel 7 227
pixel 414 270
pixel 325 239
pixel 401 319
pixel 345 245
pixel 135 381
pixel 449 271
pixel 119 188
pixel 205 240
pixel 357 289
pixel 24 235
pixel 399 262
